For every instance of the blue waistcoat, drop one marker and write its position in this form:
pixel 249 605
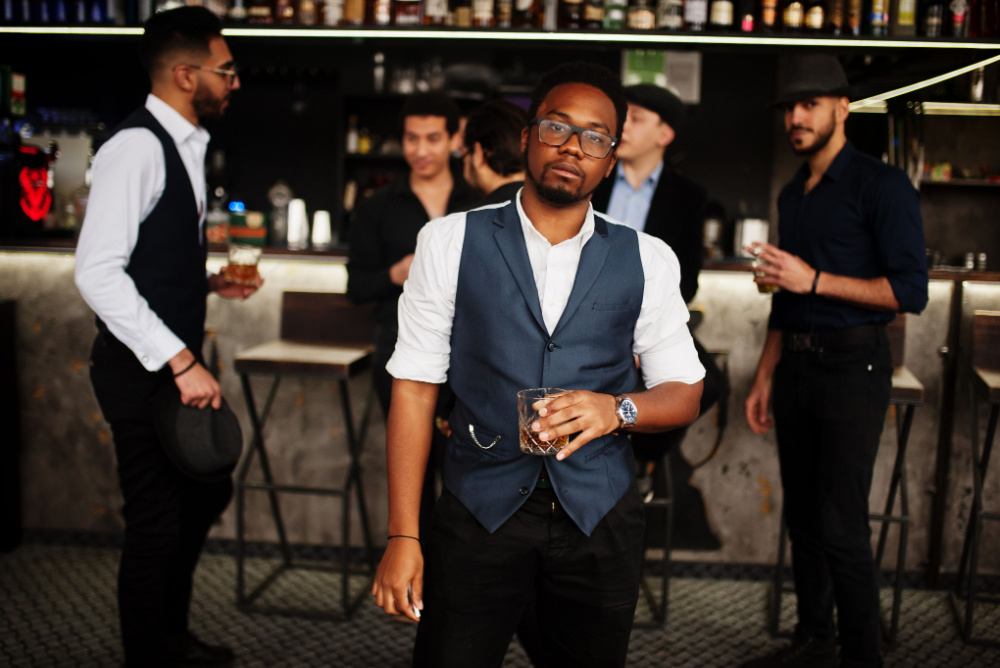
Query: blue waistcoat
pixel 499 345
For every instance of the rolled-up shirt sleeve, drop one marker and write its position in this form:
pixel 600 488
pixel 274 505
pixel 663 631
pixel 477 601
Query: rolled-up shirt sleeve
pixel 899 232
pixel 662 340
pixel 426 308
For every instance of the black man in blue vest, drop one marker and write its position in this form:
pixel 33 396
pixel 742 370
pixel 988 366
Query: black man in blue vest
pixel 538 292
pixel 140 265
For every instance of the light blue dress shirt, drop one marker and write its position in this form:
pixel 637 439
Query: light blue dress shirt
pixel 631 205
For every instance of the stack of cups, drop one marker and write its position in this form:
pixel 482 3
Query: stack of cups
pixel 298 225
pixel 322 235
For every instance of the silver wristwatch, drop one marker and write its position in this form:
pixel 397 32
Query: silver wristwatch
pixel 626 411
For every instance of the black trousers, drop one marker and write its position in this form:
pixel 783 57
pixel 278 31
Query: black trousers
pixel 167 516
pixel 829 409
pixel 477 585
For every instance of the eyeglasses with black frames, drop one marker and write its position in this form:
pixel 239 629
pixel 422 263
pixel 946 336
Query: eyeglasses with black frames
pixel 556 133
pixel 231 74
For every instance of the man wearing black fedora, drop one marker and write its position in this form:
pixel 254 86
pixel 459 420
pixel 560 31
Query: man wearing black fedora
pixel 140 265
pixel 851 255
pixel 647 193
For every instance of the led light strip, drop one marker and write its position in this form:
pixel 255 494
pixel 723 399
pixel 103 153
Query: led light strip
pixel 533 36
pixel 859 105
pixel 940 109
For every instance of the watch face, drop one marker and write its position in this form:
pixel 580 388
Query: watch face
pixel 627 411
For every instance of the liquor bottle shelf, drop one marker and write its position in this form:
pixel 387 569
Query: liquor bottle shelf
pixel 623 38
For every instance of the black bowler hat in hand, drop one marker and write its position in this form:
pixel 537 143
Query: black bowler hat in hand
pixel 812 75
pixel 658 100
pixel 203 444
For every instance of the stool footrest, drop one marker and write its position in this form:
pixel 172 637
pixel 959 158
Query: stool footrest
pixel 294 489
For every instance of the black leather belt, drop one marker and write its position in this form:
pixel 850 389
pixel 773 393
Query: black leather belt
pixel 814 342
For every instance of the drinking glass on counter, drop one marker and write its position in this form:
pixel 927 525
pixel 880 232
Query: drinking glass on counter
pixel 242 266
pixel 526 414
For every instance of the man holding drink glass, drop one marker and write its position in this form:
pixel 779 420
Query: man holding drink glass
pixel 540 292
pixel 851 255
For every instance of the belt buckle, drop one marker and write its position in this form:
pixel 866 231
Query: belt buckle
pixel 802 342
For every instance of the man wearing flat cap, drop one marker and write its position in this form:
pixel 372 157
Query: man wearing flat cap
pixel 851 256
pixel 645 193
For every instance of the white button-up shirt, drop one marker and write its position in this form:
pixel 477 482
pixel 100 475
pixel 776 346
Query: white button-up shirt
pixel 128 177
pixel 427 307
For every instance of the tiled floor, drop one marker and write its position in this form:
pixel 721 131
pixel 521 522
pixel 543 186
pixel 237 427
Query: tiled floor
pixel 57 609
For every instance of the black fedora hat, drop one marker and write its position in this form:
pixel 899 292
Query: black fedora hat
pixel 658 100
pixel 204 444
pixel 810 75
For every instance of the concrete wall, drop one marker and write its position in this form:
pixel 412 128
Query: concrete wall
pixel 68 458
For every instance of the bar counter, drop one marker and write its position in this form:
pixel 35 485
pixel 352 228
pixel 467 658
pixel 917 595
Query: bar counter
pixel 68 473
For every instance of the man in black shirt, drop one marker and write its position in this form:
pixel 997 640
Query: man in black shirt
pixel 492 163
pixel 384 230
pixel 851 255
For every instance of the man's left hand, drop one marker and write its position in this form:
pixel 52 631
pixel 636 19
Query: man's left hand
pixel 218 284
pixel 589 415
pixel 777 267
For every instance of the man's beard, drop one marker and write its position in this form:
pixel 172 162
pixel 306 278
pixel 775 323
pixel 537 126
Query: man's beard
pixel 822 139
pixel 555 196
pixel 207 107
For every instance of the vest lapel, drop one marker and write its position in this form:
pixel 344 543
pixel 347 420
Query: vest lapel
pixel 591 262
pixel 510 240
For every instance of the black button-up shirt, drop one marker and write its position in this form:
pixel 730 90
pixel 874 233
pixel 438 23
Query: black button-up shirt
pixel 383 231
pixel 861 220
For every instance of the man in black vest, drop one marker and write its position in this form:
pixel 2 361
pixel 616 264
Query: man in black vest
pixel 140 265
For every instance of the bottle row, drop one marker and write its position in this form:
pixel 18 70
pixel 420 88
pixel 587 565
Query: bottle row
pixel 876 18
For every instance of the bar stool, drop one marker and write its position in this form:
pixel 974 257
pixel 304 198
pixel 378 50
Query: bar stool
pixel 663 506
pixel 322 336
pixel 907 393
pixel 984 386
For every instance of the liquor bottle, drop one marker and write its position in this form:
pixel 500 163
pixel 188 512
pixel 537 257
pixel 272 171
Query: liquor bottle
pixel 769 15
pixel 933 22
pixel 505 13
pixel 854 17
pixel 670 15
pixel 354 12
pixel 959 18
pixel 59 13
pixel 351 141
pixel 482 14
pixel 331 13
pixel 378 12
pixel 903 18
pixel 746 16
pixel 815 17
pixel 720 14
pixel 696 14
pixel 260 12
pixel 406 13
pixel 793 16
pixel 237 12
pixel 641 15
pixel 878 21
pixel 461 13
pixel 615 14
pixel 308 13
pixel 593 14
pixel 218 7
pixel 284 12
pixel 528 13
pixel 435 12
pixel 835 16
pixel 570 14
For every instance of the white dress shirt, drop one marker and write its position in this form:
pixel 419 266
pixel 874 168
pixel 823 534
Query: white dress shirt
pixel 427 307
pixel 128 178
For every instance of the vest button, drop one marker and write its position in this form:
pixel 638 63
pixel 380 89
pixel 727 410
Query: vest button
pixel 523 491
pixel 551 346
